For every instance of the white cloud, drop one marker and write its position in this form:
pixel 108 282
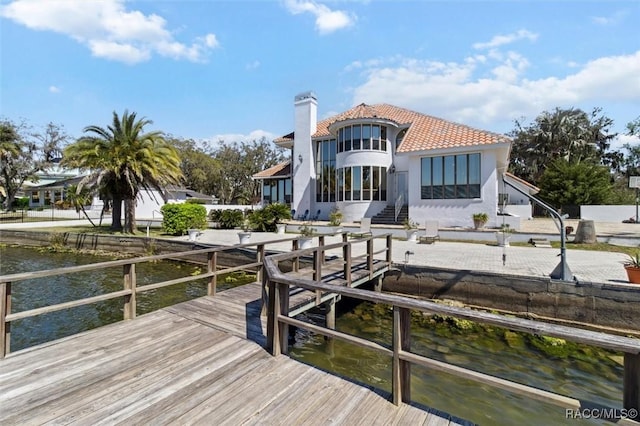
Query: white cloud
pixel 238 137
pixel 611 19
pixel 54 89
pixel 501 40
pixel 327 20
pixel 253 65
pixel 622 139
pixel 108 29
pixel 496 90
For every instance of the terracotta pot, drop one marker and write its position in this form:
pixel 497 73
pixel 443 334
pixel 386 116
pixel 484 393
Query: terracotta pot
pixel 633 273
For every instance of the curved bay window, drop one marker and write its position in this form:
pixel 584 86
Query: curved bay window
pixel 362 183
pixel 360 137
pixel 450 177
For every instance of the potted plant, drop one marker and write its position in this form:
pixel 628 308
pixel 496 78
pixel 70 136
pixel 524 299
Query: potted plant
pixel 503 235
pixel 412 229
pixel 306 235
pixel 335 220
pixel 479 220
pixel 632 266
pixel 245 234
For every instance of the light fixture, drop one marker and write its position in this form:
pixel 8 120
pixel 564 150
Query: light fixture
pixel 392 169
pixel 300 157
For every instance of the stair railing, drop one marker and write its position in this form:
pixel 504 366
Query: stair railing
pixel 399 203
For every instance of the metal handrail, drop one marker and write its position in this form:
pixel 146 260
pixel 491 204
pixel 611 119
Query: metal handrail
pixel 399 203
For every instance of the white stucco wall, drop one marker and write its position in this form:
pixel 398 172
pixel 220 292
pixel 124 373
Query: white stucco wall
pixel 608 213
pixel 456 212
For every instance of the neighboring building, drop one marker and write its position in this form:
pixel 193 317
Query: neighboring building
pixel 46 194
pixel 388 163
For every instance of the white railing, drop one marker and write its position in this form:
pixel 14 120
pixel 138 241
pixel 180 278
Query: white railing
pixel 399 203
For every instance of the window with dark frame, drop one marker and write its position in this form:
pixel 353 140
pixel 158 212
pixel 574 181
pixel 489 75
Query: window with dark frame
pixel 450 177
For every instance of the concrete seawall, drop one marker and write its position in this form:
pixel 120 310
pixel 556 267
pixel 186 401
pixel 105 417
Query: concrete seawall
pixel 603 304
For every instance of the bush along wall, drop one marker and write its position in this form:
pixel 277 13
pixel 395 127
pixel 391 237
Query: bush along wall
pixel 180 217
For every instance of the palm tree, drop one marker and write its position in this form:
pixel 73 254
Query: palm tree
pixel 123 160
pixel 79 197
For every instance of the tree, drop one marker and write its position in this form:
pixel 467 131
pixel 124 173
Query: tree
pixel 123 160
pixel 564 183
pixel 570 134
pixel 238 163
pixel 80 197
pixel 23 153
pixel 632 159
pixel 199 168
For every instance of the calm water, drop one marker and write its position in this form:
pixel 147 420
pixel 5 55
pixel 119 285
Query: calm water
pixel 578 371
pixel 48 291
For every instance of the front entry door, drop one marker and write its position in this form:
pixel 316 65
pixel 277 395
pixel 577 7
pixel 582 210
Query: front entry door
pixel 402 187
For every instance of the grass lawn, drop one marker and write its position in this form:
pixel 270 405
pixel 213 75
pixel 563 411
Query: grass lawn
pixel 102 230
pixel 592 247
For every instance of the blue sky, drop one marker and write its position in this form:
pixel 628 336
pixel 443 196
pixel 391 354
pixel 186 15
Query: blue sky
pixel 211 70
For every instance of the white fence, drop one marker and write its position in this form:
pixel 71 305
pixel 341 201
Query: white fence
pixel 608 213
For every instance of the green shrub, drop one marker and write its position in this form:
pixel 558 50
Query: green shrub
pixel 265 219
pixel 21 203
pixel 214 215
pixel 195 201
pixel 230 219
pixel 178 218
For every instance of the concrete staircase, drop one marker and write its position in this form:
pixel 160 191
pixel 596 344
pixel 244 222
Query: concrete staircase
pixel 387 216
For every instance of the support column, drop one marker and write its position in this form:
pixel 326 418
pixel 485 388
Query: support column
pixel 378 285
pixel 631 397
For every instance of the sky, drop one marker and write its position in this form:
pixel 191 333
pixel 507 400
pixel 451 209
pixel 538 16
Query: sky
pixel 214 70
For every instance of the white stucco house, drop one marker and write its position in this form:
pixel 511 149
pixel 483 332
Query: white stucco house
pixel 388 163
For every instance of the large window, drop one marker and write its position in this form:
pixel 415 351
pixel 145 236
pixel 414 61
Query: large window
pixel 276 191
pixel 362 137
pixel 326 171
pixel 451 176
pixel 362 183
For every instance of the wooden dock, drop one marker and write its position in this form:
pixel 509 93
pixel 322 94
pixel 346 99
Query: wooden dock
pixel 198 362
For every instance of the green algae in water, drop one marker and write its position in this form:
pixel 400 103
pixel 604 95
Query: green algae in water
pixel 583 372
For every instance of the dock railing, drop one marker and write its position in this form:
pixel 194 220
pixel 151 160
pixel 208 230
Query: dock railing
pixel 402 358
pixel 130 288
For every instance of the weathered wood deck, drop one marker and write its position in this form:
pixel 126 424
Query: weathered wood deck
pixel 199 362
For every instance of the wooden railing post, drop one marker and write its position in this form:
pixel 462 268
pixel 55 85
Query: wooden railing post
pixel 370 257
pixel 212 266
pixel 321 245
pixel 631 397
pixel 389 254
pixel 277 333
pixel 273 340
pixel 130 284
pixel 346 255
pixel 265 289
pixel 296 260
pixel 5 327
pixel 283 331
pixel 317 270
pixel 401 383
pixel 260 259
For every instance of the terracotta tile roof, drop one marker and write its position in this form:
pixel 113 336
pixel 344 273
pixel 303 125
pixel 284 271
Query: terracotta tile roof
pixel 424 131
pixel 285 138
pixel 279 170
